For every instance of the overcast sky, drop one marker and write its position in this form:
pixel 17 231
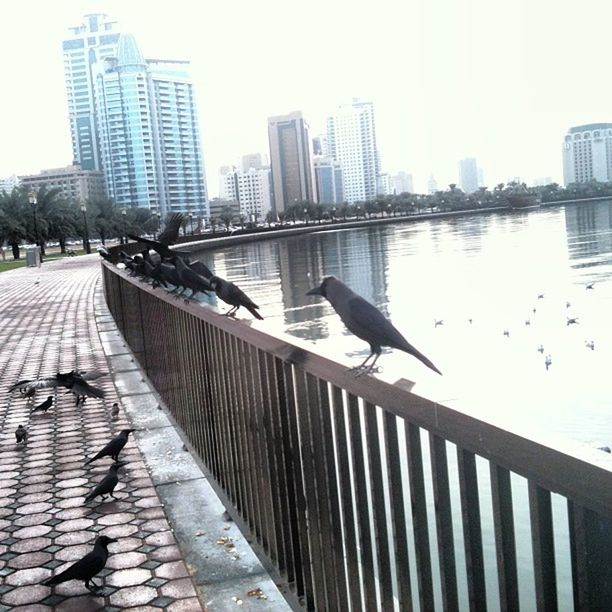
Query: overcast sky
pixel 497 80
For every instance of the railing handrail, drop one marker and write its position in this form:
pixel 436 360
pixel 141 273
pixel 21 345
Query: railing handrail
pixel 583 482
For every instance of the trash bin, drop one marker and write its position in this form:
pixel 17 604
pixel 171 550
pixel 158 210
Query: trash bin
pixel 33 257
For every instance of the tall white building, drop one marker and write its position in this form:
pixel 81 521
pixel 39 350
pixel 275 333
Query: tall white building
pixel 9 183
pixel 351 140
pixel 468 175
pixel 250 188
pixel 402 183
pixel 587 153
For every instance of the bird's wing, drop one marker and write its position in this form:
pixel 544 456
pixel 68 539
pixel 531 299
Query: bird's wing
pixel 80 387
pixel 171 231
pixel 201 268
pixel 104 486
pixel 237 294
pixel 368 323
pixel 32 385
pixel 83 569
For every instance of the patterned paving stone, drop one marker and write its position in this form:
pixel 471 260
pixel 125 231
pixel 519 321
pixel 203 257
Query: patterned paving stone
pixel 44 524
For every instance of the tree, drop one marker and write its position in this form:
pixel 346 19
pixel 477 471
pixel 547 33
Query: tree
pixel 226 217
pixel 12 219
pixel 271 218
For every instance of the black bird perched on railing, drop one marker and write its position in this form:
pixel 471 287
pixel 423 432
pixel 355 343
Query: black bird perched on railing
pixel 114 447
pixel 44 406
pixel 171 276
pixel 74 381
pixel 189 278
pixel 166 238
pixel 234 296
pixel 201 268
pixel 366 322
pixel 107 485
pixel 21 434
pixel 87 567
pixel 104 253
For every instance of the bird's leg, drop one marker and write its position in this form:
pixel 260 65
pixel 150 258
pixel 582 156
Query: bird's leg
pixel 113 496
pixel 231 312
pixel 358 368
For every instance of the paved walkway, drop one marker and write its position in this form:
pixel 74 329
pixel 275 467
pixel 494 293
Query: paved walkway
pixel 47 325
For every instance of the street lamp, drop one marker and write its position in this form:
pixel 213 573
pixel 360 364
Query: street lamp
pixel 86 244
pixel 306 215
pixel 34 202
pixel 158 217
pixel 124 237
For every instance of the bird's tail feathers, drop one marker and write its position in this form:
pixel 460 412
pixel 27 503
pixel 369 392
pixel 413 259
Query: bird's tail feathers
pixel 412 351
pixel 253 311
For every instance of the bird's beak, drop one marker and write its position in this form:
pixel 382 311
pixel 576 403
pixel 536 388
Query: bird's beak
pixel 111 540
pixel 315 291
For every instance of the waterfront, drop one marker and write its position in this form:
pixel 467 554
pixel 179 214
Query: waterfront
pixel 488 268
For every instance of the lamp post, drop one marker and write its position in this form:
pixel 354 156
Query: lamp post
pixel 306 216
pixel 158 225
pixel 34 202
pixel 124 237
pixel 86 244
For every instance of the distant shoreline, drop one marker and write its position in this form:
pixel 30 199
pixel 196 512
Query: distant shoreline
pixel 210 241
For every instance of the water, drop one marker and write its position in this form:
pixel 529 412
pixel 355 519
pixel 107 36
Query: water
pixel 488 268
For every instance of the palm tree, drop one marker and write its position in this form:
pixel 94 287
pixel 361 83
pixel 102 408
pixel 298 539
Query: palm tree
pixel 12 215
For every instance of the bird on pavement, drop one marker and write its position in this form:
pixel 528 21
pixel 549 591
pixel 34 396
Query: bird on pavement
pixel 21 434
pixel 115 411
pixel 44 406
pixel 234 296
pixel 366 322
pixel 107 485
pixel 87 567
pixel 114 447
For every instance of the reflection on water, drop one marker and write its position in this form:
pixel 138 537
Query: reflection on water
pixel 489 269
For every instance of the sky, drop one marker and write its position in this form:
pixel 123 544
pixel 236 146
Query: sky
pixel 500 81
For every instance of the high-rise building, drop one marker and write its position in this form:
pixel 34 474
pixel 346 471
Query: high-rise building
pixel 432 185
pixel 250 188
pixel 143 130
pixel 328 173
pixel 89 43
pixel 351 138
pixel 385 184
pixel 8 183
pixel 290 161
pixel 75 184
pixel 252 160
pixel 402 183
pixel 587 153
pixel 468 175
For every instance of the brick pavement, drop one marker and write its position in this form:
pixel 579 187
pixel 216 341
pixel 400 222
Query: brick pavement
pixel 47 325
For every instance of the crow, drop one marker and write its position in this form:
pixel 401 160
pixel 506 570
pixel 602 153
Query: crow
pixel 366 322
pixel 21 434
pixel 201 269
pixel 115 411
pixel 87 567
pixel 107 485
pixel 104 253
pixel 171 276
pixel 234 296
pixel 114 447
pixel 190 279
pixel 44 406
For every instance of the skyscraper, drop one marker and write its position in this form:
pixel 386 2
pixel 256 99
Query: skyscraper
pixel 250 188
pixel 468 175
pixel 143 118
pixel 351 137
pixel 89 42
pixel 329 180
pixel 587 153
pixel 290 161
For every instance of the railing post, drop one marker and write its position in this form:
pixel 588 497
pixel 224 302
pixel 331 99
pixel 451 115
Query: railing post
pixel 591 549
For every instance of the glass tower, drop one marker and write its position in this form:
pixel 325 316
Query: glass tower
pixel 143 120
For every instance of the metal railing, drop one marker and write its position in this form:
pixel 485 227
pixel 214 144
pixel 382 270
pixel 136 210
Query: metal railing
pixel 362 495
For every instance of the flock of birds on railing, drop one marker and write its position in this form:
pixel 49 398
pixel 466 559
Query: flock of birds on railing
pixel 175 271
pixel 79 384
